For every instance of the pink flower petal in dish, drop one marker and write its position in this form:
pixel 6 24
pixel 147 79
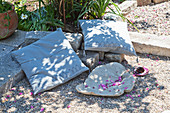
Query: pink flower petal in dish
pixel 107 80
pixel 42 109
pixel 113 84
pixel 111 81
pixel 133 75
pixel 31 93
pixel 32 107
pixel 130 96
pixel 68 106
pixel 20 93
pixel 103 85
pixel 86 86
pixel 127 95
pixel 12 89
pixel 116 80
pixel 119 84
pixel 138 95
pixel 125 87
pixel 147 88
pixel 99 87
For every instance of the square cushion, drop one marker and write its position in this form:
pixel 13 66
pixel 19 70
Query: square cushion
pixel 49 62
pixel 106 36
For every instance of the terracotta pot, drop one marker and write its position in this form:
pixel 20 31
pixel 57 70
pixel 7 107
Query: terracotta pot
pixel 4 31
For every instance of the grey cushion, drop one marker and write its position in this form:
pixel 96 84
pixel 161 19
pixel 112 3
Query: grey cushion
pixel 107 36
pixel 49 62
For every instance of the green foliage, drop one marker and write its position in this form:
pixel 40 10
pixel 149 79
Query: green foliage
pixel 97 9
pixel 50 13
pixel 42 19
pixel 4 7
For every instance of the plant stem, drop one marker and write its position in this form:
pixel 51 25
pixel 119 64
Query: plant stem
pixel 64 14
pixel 40 8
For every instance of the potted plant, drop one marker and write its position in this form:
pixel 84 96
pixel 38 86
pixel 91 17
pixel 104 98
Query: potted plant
pixel 8 19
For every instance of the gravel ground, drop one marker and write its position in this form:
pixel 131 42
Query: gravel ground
pixel 153 19
pixel 150 93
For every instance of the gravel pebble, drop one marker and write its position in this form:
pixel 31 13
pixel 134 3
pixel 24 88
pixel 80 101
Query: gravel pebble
pixel 153 19
pixel 58 99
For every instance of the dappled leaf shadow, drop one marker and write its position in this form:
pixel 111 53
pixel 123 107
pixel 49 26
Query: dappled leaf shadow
pixel 96 31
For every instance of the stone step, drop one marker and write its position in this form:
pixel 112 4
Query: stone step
pixel 10 73
pixel 143 2
pixel 90 59
pixel 114 57
pixel 14 41
pixel 151 44
pixel 5 49
pixel 10 70
pixel 128 6
pixel 159 1
pixel 75 39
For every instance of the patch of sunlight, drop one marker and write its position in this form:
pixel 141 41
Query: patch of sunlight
pixel 52 72
pixel 45 61
pixel 52 51
pixel 1 78
pixel 34 69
